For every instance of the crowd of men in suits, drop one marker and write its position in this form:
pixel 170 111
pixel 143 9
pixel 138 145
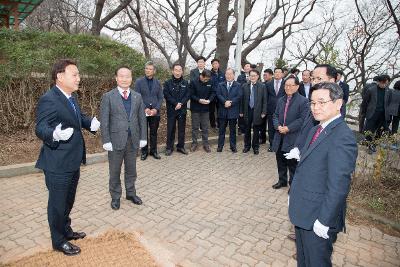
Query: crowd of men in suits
pixel 304 120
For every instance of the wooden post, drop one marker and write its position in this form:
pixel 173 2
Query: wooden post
pixel 16 16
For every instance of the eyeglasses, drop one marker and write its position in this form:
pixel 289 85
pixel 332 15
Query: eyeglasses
pixel 319 103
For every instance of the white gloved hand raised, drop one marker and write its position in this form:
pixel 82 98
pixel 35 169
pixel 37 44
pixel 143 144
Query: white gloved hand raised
pixel 62 135
pixel 108 146
pixel 142 143
pixel 94 125
pixel 294 153
pixel 320 229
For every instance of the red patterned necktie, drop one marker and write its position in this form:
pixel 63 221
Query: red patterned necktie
pixel 315 136
pixel 125 93
pixel 286 108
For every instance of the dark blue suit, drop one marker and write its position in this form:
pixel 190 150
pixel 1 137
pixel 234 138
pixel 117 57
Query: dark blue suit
pixel 228 115
pixel 319 190
pixel 302 90
pixel 272 99
pixel 346 91
pixel 60 160
pixel 308 123
pixel 217 77
pixel 241 79
pixel 296 113
pixel 152 99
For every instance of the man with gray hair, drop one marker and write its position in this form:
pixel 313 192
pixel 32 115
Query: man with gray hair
pixel 152 95
pixel 317 203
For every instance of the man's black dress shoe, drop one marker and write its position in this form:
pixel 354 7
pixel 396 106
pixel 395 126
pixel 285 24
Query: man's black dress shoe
pixel 168 152
pixel 155 155
pixel 278 185
pixel 256 152
pixel 182 150
pixel 69 249
pixel 270 149
pixel 207 148
pixel 76 235
pixel 193 147
pixel 246 149
pixel 219 149
pixel 233 149
pixel 135 199
pixel 115 204
pixel 143 156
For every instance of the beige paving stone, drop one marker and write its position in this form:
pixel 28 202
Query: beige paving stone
pixel 207 209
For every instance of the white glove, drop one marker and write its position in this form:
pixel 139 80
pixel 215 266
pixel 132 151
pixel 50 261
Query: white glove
pixel 94 125
pixel 62 135
pixel 108 146
pixel 320 229
pixel 294 153
pixel 142 143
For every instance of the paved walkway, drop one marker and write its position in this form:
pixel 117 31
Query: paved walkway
pixel 213 209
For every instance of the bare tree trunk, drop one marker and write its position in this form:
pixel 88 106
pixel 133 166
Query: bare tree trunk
pixel 98 23
pixel 224 37
pixel 393 14
pixel 141 30
pixel 96 18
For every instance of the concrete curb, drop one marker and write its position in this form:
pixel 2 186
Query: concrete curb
pixel 374 216
pixel 29 168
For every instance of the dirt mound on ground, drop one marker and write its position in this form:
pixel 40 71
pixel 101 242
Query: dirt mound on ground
pixel 113 248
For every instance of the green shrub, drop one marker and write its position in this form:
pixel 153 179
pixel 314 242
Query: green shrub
pixel 26 59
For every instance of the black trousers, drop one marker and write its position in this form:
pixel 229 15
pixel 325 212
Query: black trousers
pixel 212 108
pixel 271 129
pixel 263 130
pixel 115 159
pixel 376 125
pixel 241 125
pixel 62 191
pixel 312 250
pixel 152 122
pixel 285 165
pixel 222 130
pixel 248 141
pixel 172 120
pixel 395 124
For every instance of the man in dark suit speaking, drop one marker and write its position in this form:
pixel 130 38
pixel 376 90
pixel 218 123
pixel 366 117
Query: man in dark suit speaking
pixel 59 123
pixel 317 203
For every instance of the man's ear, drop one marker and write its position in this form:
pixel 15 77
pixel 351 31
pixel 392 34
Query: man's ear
pixel 339 103
pixel 59 75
